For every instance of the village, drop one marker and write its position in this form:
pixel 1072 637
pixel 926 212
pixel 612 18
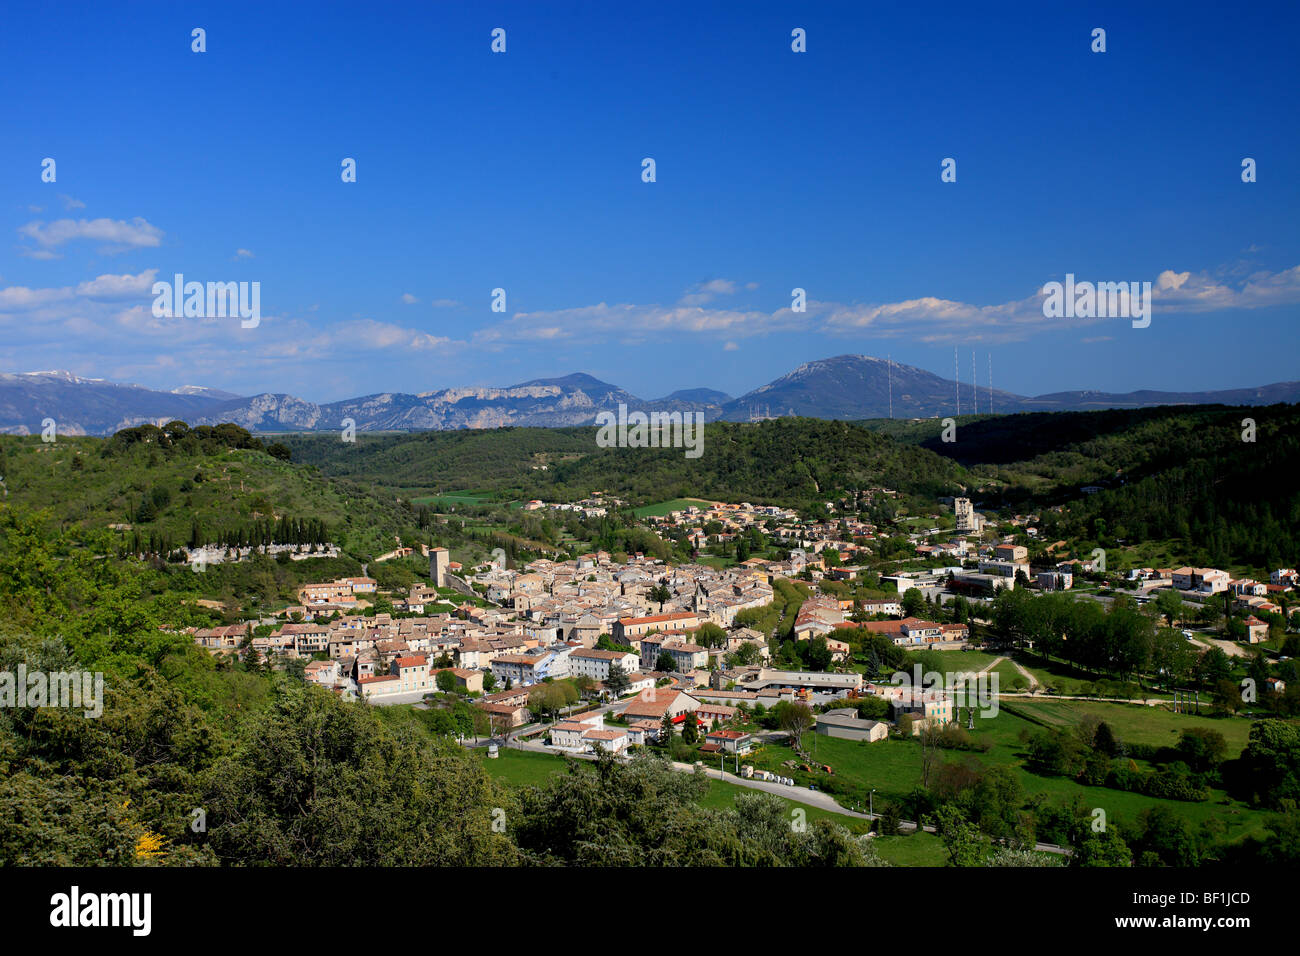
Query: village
pixel 595 655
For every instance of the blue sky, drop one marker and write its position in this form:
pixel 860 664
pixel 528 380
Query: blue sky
pixel 522 170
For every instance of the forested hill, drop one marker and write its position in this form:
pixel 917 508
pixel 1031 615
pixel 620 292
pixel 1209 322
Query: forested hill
pixel 1113 438
pixel 176 487
pixel 1229 491
pixel 791 461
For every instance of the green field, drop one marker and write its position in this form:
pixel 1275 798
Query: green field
pixel 1135 723
pixel 524 768
pixel 664 507
pixel 893 766
pixel 1053 673
pixel 958 661
pixel 456 498
pixel 912 849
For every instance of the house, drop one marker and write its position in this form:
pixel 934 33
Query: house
pixel 531 668
pixel 925 706
pixel 845 724
pixel 413 673
pixel 506 716
pixel 324 673
pixel 471 682
pixel 610 740
pixel 1013 553
pixel 1055 580
pixel 1245 587
pixel 306 639
pixel 999 568
pixel 378 686
pixel 715 715
pixel 1256 630
pixel 567 735
pixel 886 606
pixel 629 627
pixel 642 732
pixel 1204 580
pixel 686 656
pixel 596 664
pixel 910 630
pixel 954 632
pixel 341 592
pixel 653 703
pixel 731 741
pixel 226 638
pixel 474 653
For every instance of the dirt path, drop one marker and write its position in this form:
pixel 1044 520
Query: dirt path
pixel 1033 681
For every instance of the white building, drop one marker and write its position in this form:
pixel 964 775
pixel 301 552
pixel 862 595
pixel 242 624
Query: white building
pixel 596 664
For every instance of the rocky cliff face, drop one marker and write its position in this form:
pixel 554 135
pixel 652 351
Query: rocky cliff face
pixel 545 403
pixel 86 406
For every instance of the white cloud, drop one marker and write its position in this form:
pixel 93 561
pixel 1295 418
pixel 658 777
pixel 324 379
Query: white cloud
pixel 929 319
pixel 243 254
pixel 707 291
pixel 409 299
pixel 372 334
pixel 109 287
pixel 103 288
pixel 137 233
pixel 633 322
pixel 70 203
pixel 22 299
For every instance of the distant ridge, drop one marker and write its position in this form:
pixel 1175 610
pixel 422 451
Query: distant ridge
pixel 844 387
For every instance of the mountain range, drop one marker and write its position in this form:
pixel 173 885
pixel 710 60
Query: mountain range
pixel 846 387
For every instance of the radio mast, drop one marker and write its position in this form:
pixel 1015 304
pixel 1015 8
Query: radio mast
pixel 889 373
pixel 956 374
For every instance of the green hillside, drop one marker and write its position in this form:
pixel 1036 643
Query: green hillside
pixel 1182 475
pixel 164 492
pixel 791 461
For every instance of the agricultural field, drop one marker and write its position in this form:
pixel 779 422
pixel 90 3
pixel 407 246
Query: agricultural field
pixel 453 499
pixel 1132 722
pixel 665 507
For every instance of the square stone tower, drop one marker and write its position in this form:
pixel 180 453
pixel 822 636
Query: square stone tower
pixel 439 562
